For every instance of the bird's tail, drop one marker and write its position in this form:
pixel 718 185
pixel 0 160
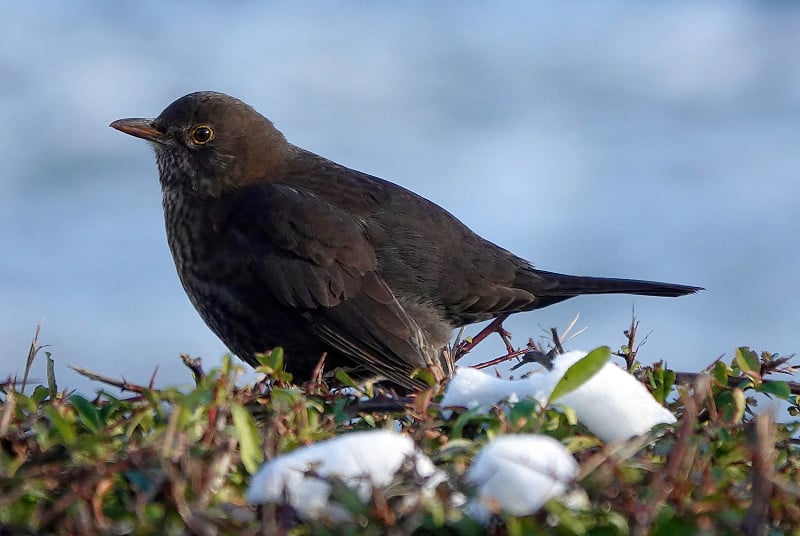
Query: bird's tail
pixel 567 286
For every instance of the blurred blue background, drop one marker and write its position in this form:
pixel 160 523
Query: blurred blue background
pixel 655 141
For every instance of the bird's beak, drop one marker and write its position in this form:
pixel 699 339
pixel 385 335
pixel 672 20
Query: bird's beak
pixel 141 128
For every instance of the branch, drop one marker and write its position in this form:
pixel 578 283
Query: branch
pixel 123 384
pixel 736 381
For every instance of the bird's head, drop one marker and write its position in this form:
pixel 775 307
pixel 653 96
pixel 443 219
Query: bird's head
pixel 211 143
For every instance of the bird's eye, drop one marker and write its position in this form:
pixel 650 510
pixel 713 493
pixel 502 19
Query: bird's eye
pixel 202 134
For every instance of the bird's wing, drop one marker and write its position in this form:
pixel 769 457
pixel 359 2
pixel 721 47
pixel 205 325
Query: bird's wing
pixel 318 260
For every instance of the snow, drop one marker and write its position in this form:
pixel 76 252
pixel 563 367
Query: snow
pixel 472 388
pixel 518 474
pixel 362 460
pixel 612 404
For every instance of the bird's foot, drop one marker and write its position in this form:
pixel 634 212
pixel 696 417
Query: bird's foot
pixel 495 326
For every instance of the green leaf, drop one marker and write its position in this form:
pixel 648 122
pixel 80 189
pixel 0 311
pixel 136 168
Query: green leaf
pixel 522 411
pixel 731 404
pixel 662 380
pixel 740 402
pixel 570 415
pixel 779 389
pixel 284 397
pixel 339 414
pixel 39 394
pixel 463 420
pixel 578 443
pixel 51 377
pixel 226 364
pixel 580 372
pixel 345 378
pixel 344 496
pixel 87 412
pixel 425 375
pixel 272 360
pixel 271 364
pixel 249 438
pixel 676 525
pixel 720 372
pixel 747 359
pixel 60 424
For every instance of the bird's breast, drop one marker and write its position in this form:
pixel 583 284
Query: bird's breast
pixel 193 226
pixel 213 273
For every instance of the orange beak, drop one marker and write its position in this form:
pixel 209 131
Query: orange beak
pixel 141 128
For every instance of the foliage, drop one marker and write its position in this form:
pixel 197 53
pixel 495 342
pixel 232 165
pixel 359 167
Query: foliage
pixel 163 461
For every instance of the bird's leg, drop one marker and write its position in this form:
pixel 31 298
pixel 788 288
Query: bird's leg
pixel 496 326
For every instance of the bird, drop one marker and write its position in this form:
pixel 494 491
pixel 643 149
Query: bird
pixel 277 246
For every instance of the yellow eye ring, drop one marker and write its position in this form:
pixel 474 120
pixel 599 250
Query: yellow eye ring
pixel 202 134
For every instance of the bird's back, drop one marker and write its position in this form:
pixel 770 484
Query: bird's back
pixel 424 252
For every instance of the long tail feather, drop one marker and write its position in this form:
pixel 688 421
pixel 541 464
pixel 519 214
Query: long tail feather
pixel 573 285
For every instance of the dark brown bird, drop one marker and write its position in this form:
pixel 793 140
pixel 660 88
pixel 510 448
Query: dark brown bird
pixel 277 246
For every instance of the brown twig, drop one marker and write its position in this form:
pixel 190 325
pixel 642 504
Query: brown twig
pixel 535 355
pixel 680 458
pixel 735 381
pixel 530 354
pixel 630 354
pixel 315 384
pixel 32 351
pixel 762 453
pixel 123 384
pixel 502 359
pixel 196 366
pixel 151 384
pixel 556 341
